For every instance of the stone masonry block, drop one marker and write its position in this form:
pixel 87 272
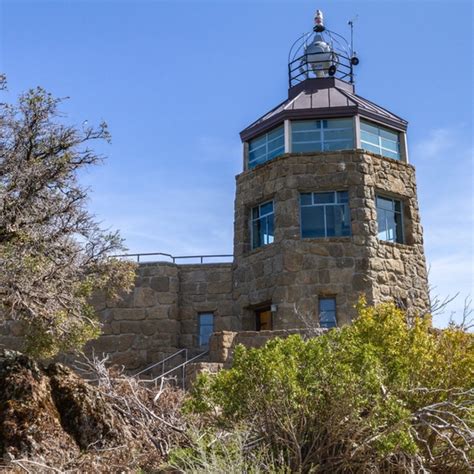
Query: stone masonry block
pixel 144 297
pixel 160 283
pixel 129 314
pixel 158 312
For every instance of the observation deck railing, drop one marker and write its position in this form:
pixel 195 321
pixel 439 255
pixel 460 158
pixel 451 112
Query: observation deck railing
pixel 166 257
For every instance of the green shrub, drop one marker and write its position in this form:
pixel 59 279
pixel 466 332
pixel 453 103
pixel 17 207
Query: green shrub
pixel 379 395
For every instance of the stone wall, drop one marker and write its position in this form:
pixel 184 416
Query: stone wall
pixel 161 315
pixel 397 270
pixel 204 288
pixel 223 343
pixel 157 318
pixel 293 272
pixel 144 326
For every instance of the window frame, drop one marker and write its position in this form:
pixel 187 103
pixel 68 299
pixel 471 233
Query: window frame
pixel 322 132
pixel 200 326
pixel 261 217
pixel 401 213
pixel 323 205
pixel 379 144
pixel 253 163
pixel 327 298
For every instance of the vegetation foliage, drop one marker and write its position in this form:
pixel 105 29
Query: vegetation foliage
pixel 53 253
pixel 379 395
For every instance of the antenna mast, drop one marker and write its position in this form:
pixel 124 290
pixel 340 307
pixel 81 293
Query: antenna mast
pixel 354 58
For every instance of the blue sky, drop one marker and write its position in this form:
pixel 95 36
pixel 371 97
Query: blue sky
pixel 176 81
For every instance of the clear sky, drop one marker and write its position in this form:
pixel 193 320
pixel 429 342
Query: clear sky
pixel 176 81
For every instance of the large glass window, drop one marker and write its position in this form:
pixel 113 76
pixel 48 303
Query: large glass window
pixel 325 214
pixel 380 140
pixel 322 135
pixel 266 147
pixel 262 228
pixel 206 328
pixel 390 219
pixel 327 313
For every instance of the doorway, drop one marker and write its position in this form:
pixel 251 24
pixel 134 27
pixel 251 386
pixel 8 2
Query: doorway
pixel 263 319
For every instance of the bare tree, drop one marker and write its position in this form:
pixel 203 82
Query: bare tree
pixel 53 253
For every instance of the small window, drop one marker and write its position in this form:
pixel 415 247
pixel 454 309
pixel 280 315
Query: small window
pixel 262 228
pixel 327 313
pixel 264 319
pixel 380 140
pixel 206 328
pixel 325 214
pixel 390 219
pixel 266 147
pixel 322 135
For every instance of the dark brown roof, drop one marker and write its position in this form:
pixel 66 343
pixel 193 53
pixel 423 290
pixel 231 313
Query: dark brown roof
pixel 322 98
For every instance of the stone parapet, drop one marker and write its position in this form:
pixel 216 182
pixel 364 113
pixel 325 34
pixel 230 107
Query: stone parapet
pixel 195 368
pixel 223 343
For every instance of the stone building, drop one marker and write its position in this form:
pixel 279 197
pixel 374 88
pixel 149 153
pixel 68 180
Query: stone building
pixel 325 211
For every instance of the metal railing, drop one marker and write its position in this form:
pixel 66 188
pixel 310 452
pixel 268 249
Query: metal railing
pixel 171 258
pixel 162 362
pixel 164 373
pixel 305 66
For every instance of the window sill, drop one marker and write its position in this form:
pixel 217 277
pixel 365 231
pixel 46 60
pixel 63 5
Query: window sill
pixel 395 244
pixel 346 238
pixel 259 249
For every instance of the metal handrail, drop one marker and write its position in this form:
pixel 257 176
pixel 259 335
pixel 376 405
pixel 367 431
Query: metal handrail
pixel 166 359
pixel 180 366
pixel 171 257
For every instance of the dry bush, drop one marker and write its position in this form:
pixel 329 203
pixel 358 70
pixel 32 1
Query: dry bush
pixel 149 419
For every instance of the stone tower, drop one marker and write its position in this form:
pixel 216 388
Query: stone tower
pixel 326 206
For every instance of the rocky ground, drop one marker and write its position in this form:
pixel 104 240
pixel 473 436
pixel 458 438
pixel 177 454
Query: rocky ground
pixel 52 420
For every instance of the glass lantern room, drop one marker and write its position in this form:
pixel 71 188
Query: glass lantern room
pixel 324 115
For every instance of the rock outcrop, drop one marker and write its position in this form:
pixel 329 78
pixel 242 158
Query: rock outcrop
pixel 48 411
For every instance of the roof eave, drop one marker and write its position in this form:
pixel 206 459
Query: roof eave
pixel 400 124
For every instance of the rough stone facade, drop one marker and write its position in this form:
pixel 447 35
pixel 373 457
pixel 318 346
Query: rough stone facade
pixel 158 318
pixel 293 272
pixel 223 343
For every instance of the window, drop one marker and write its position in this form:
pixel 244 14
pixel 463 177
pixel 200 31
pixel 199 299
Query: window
pixel 266 147
pixel 325 214
pixel 262 230
pixel 327 313
pixel 264 319
pixel 379 140
pixel 322 135
pixel 390 219
pixel 206 328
